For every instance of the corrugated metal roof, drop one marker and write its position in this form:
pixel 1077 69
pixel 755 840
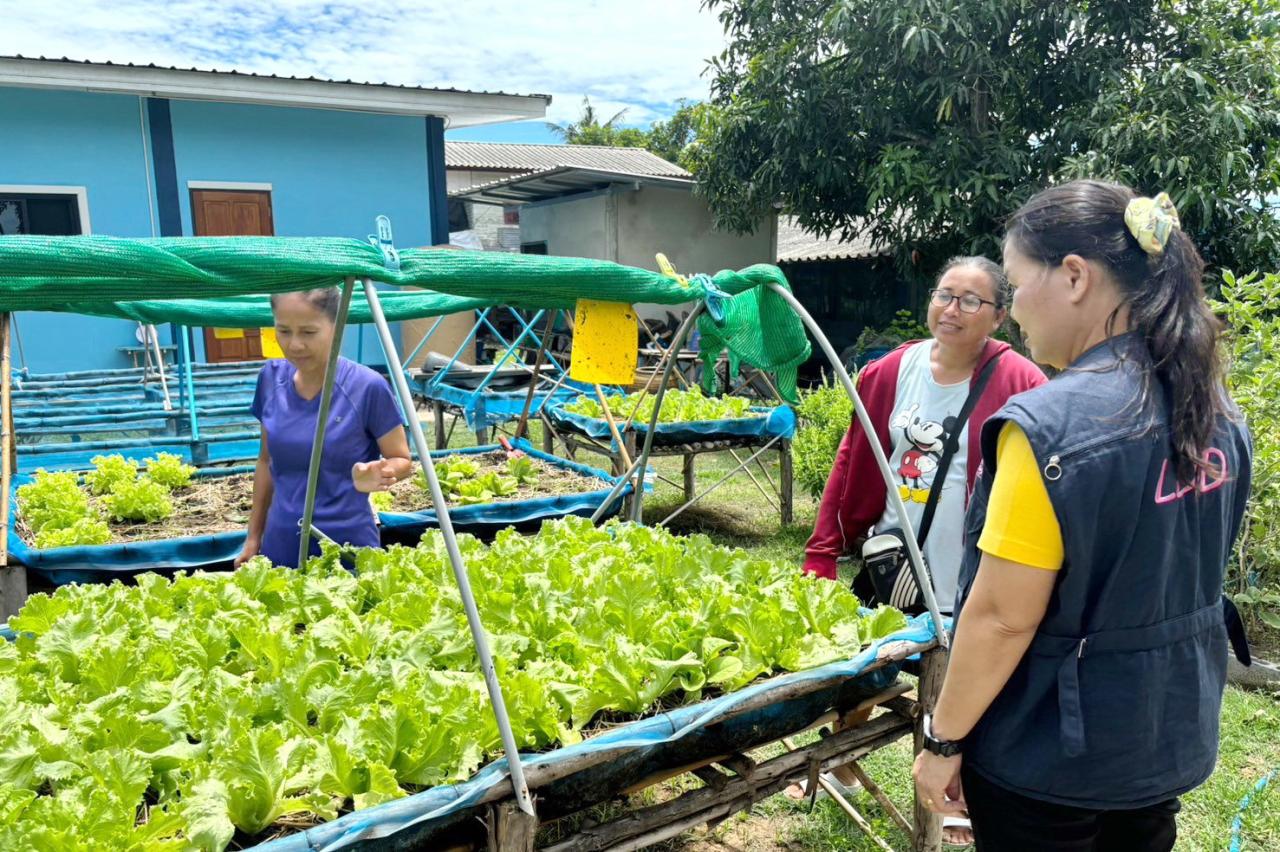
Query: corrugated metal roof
pixel 796 245
pixel 235 73
pixel 534 158
pixel 559 181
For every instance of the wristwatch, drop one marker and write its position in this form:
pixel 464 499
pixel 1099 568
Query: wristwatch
pixel 942 748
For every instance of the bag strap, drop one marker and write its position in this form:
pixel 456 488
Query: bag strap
pixel 952 445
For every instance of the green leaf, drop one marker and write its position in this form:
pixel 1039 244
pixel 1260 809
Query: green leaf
pixel 122 774
pixel 205 812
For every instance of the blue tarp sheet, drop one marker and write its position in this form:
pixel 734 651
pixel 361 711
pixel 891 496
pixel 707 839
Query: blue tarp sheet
pixel 489 408
pixel 772 422
pixel 77 455
pixel 443 805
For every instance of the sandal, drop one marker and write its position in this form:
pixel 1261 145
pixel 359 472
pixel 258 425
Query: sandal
pixel 958 827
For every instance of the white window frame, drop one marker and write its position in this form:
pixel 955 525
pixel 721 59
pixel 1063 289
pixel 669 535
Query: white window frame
pixel 81 194
pixel 228 185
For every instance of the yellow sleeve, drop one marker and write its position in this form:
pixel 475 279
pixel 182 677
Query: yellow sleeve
pixel 1021 525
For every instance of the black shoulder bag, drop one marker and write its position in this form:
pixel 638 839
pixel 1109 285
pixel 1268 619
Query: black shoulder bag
pixel 885 554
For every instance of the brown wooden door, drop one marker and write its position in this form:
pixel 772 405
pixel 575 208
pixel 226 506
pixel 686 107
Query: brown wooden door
pixel 232 213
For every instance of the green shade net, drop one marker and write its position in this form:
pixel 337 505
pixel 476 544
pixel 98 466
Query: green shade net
pixel 255 311
pixel 220 281
pixel 759 329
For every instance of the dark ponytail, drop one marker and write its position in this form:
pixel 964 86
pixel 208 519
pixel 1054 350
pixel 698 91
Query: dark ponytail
pixel 1164 293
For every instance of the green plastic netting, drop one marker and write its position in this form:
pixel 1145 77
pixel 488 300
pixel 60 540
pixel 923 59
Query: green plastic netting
pixel 193 280
pixel 756 329
pixel 255 311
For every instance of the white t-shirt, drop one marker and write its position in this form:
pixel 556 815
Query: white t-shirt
pixel 923 414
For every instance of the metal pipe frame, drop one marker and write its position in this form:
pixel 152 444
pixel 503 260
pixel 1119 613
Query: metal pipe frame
pixel 395 369
pixel 184 335
pixel 440 375
pixel 868 428
pixel 322 421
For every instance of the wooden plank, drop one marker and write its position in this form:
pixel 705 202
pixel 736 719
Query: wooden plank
pixel 740 764
pixel 669 819
pixel 927 836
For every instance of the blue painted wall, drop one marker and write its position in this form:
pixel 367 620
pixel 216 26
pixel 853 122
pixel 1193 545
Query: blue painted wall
pixel 331 173
pixel 77 139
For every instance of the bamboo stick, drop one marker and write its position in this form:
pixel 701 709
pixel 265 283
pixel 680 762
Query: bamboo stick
pixel 613 429
pixel 537 373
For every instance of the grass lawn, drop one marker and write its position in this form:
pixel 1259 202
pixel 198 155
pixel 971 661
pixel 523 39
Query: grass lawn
pixel 736 514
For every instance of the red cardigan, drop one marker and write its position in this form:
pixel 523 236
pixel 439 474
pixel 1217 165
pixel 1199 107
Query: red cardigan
pixel 854 498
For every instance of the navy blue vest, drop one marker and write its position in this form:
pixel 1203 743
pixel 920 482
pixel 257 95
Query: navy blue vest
pixel 1116 703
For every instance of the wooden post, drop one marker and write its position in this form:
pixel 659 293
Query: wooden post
pixel 437 409
pixel 690 480
pixel 927 836
pixel 629 447
pixel 13 579
pixel 786 475
pixel 514 830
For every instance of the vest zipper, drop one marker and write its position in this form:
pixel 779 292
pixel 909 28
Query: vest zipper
pixel 1052 469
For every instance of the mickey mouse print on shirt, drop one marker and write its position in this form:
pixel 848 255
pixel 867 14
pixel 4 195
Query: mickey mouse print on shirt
pixel 919 462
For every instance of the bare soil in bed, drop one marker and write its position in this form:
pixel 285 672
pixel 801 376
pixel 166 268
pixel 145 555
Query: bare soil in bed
pixel 213 505
pixel 552 481
pixel 207 506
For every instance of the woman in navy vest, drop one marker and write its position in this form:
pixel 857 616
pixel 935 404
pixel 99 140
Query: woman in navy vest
pixel 1085 681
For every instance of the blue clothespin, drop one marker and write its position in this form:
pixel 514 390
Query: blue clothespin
pixel 384 243
pixel 713 296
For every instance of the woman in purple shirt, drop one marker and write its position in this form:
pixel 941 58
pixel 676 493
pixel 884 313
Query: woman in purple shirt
pixel 365 448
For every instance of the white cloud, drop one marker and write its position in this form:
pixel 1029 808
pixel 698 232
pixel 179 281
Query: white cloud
pixel 624 55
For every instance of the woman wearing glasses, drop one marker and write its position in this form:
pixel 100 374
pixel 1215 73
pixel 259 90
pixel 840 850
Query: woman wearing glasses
pixel 914 396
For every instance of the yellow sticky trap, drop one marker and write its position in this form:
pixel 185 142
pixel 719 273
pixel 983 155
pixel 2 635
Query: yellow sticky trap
pixel 270 345
pixel 606 340
pixel 228 334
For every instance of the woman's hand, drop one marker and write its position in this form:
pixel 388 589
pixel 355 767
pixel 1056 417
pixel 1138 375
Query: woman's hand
pixel 251 548
pixel 373 476
pixel 938 783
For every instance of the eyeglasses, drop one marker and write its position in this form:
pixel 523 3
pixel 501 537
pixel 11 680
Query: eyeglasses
pixel 969 303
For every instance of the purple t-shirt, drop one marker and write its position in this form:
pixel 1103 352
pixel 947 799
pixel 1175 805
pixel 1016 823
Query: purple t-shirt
pixel 362 411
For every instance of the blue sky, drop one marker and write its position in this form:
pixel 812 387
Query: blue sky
pixel 641 57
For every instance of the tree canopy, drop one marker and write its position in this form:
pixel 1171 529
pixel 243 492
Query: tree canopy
pixel 924 123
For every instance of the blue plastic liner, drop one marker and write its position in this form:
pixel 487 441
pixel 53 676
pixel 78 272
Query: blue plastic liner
pixel 105 562
pixel 445 805
pixel 773 422
pixel 480 518
pixel 237 446
pixel 489 408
